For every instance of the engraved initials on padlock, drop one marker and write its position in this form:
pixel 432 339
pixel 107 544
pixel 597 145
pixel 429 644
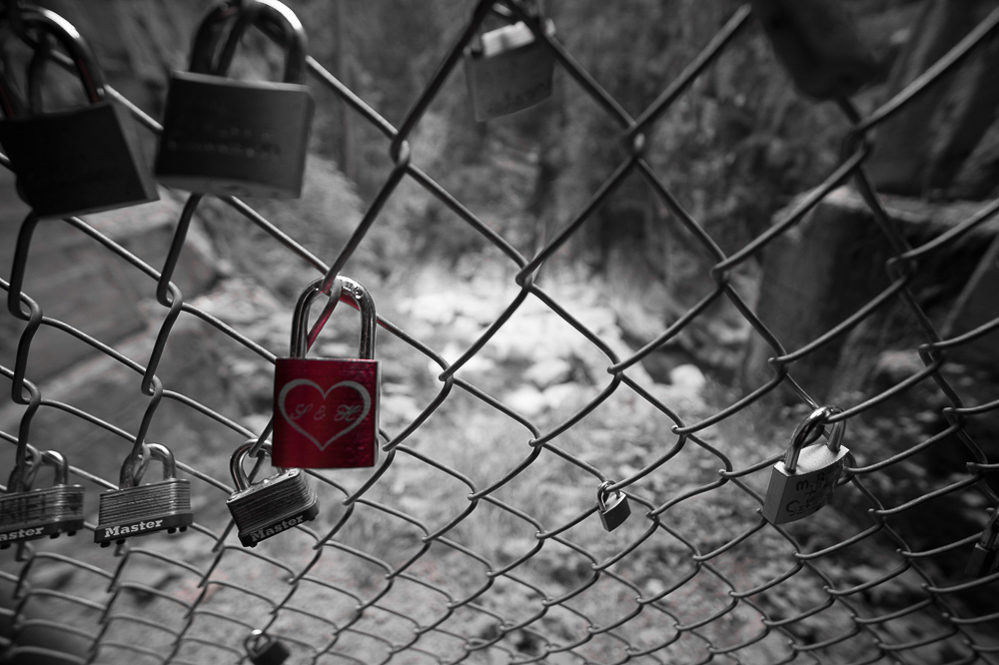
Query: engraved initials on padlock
pixel 326 409
pixel 264 649
pixel 805 479
pixel 509 69
pixel 26 513
pixel 269 506
pixel 232 137
pixel 612 506
pixel 984 558
pixel 137 510
pixel 78 160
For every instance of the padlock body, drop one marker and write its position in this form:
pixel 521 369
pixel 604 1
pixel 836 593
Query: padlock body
pixel 325 413
pixel 792 496
pixel 77 161
pixel 271 652
pixel 614 511
pixel 273 505
pixel 42 512
pixel 512 72
pixel 144 509
pixel 228 137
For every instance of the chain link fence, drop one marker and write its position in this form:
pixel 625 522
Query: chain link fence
pixel 489 549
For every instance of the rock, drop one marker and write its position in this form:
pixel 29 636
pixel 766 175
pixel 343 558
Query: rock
pixel 688 378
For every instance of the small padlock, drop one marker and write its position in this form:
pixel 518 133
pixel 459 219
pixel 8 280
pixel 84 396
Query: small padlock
pixel 138 509
pixel 77 160
pixel 984 558
pixel 229 137
pixel 612 506
pixel 509 69
pixel 805 479
pixel 26 513
pixel 264 649
pixel 326 409
pixel 269 506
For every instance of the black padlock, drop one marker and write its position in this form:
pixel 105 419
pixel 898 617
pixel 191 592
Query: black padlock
pixel 269 506
pixel 984 558
pixel 264 649
pixel 137 508
pixel 509 69
pixel 27 513
pixel 77 160
pixel 231 137
pixel 612 506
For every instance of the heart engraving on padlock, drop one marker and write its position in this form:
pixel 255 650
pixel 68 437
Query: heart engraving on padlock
pixel 315 419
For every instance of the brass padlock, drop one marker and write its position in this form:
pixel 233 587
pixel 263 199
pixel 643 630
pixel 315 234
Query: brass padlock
pixel 136 508
pixel 231 137
pixel 612 506
pixel 27 513
pixel 76 160
pixel 805 479
pixel 509 69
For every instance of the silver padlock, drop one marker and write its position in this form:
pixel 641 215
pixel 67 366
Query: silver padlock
pixel 509 69
pixel 612 506
pixel 26 513
pixel 984 558
pixel 264 649
pixel 805 479
pixel 269 506
pixel 136 509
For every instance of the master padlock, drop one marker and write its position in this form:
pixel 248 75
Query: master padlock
pixel 271 505
pixel 231 137
pixel 805 479
pixel 77 160
pixel 264 649
pixel 326 409
pixel 612 506
pixel 509 69
pixel 27 513
pixel 136 508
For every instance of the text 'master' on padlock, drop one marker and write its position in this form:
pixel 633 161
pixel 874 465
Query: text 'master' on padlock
pixel 803 482
pixel 326 409
pixel 269 506
pixel 138 509
pixel 72 161
pixel 231 137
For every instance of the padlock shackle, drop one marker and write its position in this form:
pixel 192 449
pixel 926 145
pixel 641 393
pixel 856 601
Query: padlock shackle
pixel 211 55
pixel 239 477
pixel 23 474
pixel 134 466
pixel 84 61
pixel 810 429
pixel 345 289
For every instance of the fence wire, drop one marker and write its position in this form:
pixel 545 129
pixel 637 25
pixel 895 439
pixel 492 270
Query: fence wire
pixel 660 590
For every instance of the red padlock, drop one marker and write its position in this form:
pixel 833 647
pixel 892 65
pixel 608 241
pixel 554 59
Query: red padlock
pixel 326 409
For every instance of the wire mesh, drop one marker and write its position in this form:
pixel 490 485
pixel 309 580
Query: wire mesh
pixel 396 571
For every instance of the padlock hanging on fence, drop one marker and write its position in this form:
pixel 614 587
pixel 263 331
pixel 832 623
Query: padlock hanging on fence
pixel 269 506
pixel 230 137
pixel 27 513
pixel 509 69
pixel 76 160
pixel 137 508
pixel 326 409
pixel 804 481
pixel 612 506
pixel 263 649
pixel 984 558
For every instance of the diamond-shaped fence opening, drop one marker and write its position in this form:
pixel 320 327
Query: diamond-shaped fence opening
pixel 513 408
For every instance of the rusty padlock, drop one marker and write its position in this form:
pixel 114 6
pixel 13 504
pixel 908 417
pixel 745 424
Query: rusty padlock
pixel 805 479
pixel 509 69
pixel 231 137
pixel 326 409
pixel 76 160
